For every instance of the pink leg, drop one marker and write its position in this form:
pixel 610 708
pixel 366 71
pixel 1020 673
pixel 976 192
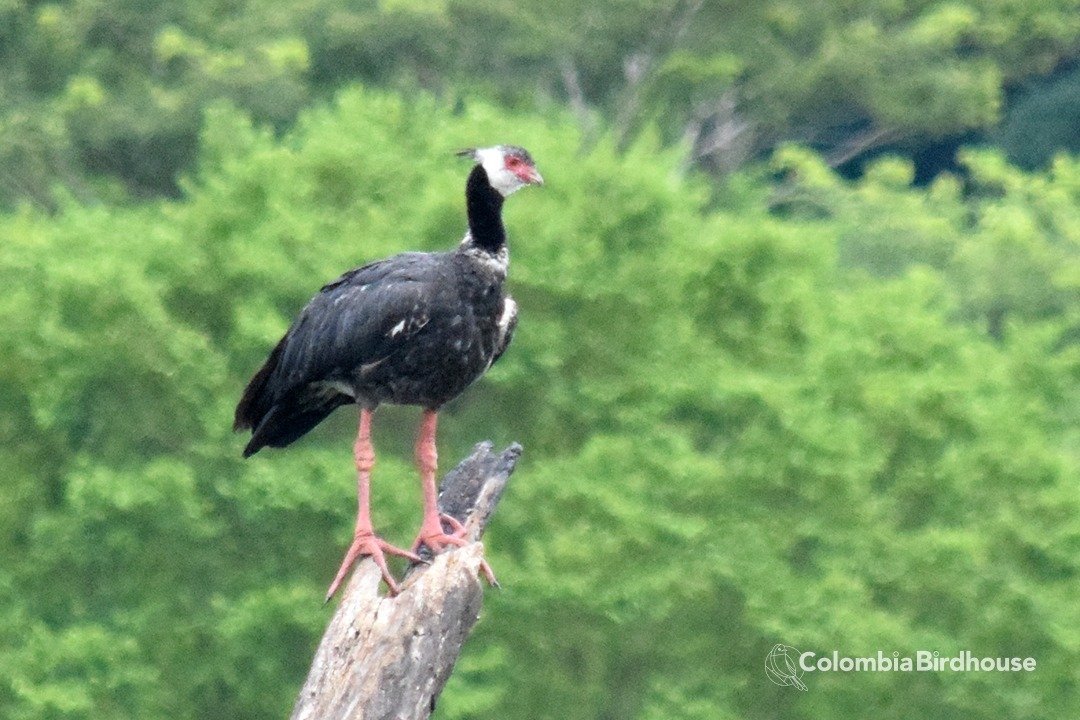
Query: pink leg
pixel 365 542
pixel 431 530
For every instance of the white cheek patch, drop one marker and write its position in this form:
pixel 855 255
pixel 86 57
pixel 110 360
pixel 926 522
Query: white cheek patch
pixel 494 162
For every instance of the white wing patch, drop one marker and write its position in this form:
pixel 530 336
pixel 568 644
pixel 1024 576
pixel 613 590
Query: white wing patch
pixel 408 325
pixel 509 312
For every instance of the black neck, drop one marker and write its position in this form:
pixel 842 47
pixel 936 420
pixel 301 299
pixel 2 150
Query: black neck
pixel 484 204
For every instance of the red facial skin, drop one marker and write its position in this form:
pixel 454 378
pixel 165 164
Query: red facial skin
pixel 523 170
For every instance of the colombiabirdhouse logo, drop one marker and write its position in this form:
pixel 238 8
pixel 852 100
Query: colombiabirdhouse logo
pixel 781 666
pixel 785 665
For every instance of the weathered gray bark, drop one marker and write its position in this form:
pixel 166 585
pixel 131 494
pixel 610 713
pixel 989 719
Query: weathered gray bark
pixel 387 658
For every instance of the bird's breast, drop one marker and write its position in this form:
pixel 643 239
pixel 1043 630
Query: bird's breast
pixel 462 334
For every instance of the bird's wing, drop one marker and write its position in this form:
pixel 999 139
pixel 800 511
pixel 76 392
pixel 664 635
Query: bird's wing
pixel 359 319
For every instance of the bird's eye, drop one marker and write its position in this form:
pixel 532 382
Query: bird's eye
pixel 513 161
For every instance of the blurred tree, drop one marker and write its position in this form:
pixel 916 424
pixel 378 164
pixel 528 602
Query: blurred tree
pixel 739 430
pixel 1005 241
pixel 116 90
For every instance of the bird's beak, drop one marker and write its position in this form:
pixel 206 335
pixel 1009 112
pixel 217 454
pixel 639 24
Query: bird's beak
pixel 533 177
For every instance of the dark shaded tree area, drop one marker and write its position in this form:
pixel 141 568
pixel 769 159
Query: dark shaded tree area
pixel 105 99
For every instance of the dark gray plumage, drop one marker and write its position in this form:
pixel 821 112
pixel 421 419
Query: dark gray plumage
pixel 414 329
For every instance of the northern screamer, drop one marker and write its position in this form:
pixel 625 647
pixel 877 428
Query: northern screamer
pixel 413 329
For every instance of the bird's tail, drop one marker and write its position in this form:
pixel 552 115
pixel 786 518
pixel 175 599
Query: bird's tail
pixel 277 419
pixel 289 421
pixel 258 398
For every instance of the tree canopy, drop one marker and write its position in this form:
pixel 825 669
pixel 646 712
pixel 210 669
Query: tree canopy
pixel 107 98
pixel 761 401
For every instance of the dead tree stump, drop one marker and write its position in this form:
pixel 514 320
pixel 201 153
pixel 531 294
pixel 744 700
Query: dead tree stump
pixel 387 658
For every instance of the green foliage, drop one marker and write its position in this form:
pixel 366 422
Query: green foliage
pixel 105 100
pixel 777 413
pixel 1006 241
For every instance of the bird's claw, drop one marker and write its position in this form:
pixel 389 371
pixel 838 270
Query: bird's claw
pixel 454 524
pixel 438 541
pixel 369 544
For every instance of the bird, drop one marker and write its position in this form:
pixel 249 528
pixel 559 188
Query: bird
pixel 414 329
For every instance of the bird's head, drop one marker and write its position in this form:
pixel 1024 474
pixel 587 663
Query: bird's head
pixel 509 167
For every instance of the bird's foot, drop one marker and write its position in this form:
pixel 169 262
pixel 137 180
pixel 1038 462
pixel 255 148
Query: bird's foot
pixel 436 540
pixel 367 543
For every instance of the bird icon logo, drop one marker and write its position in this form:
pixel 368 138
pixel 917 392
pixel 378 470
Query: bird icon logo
pixel 782 666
